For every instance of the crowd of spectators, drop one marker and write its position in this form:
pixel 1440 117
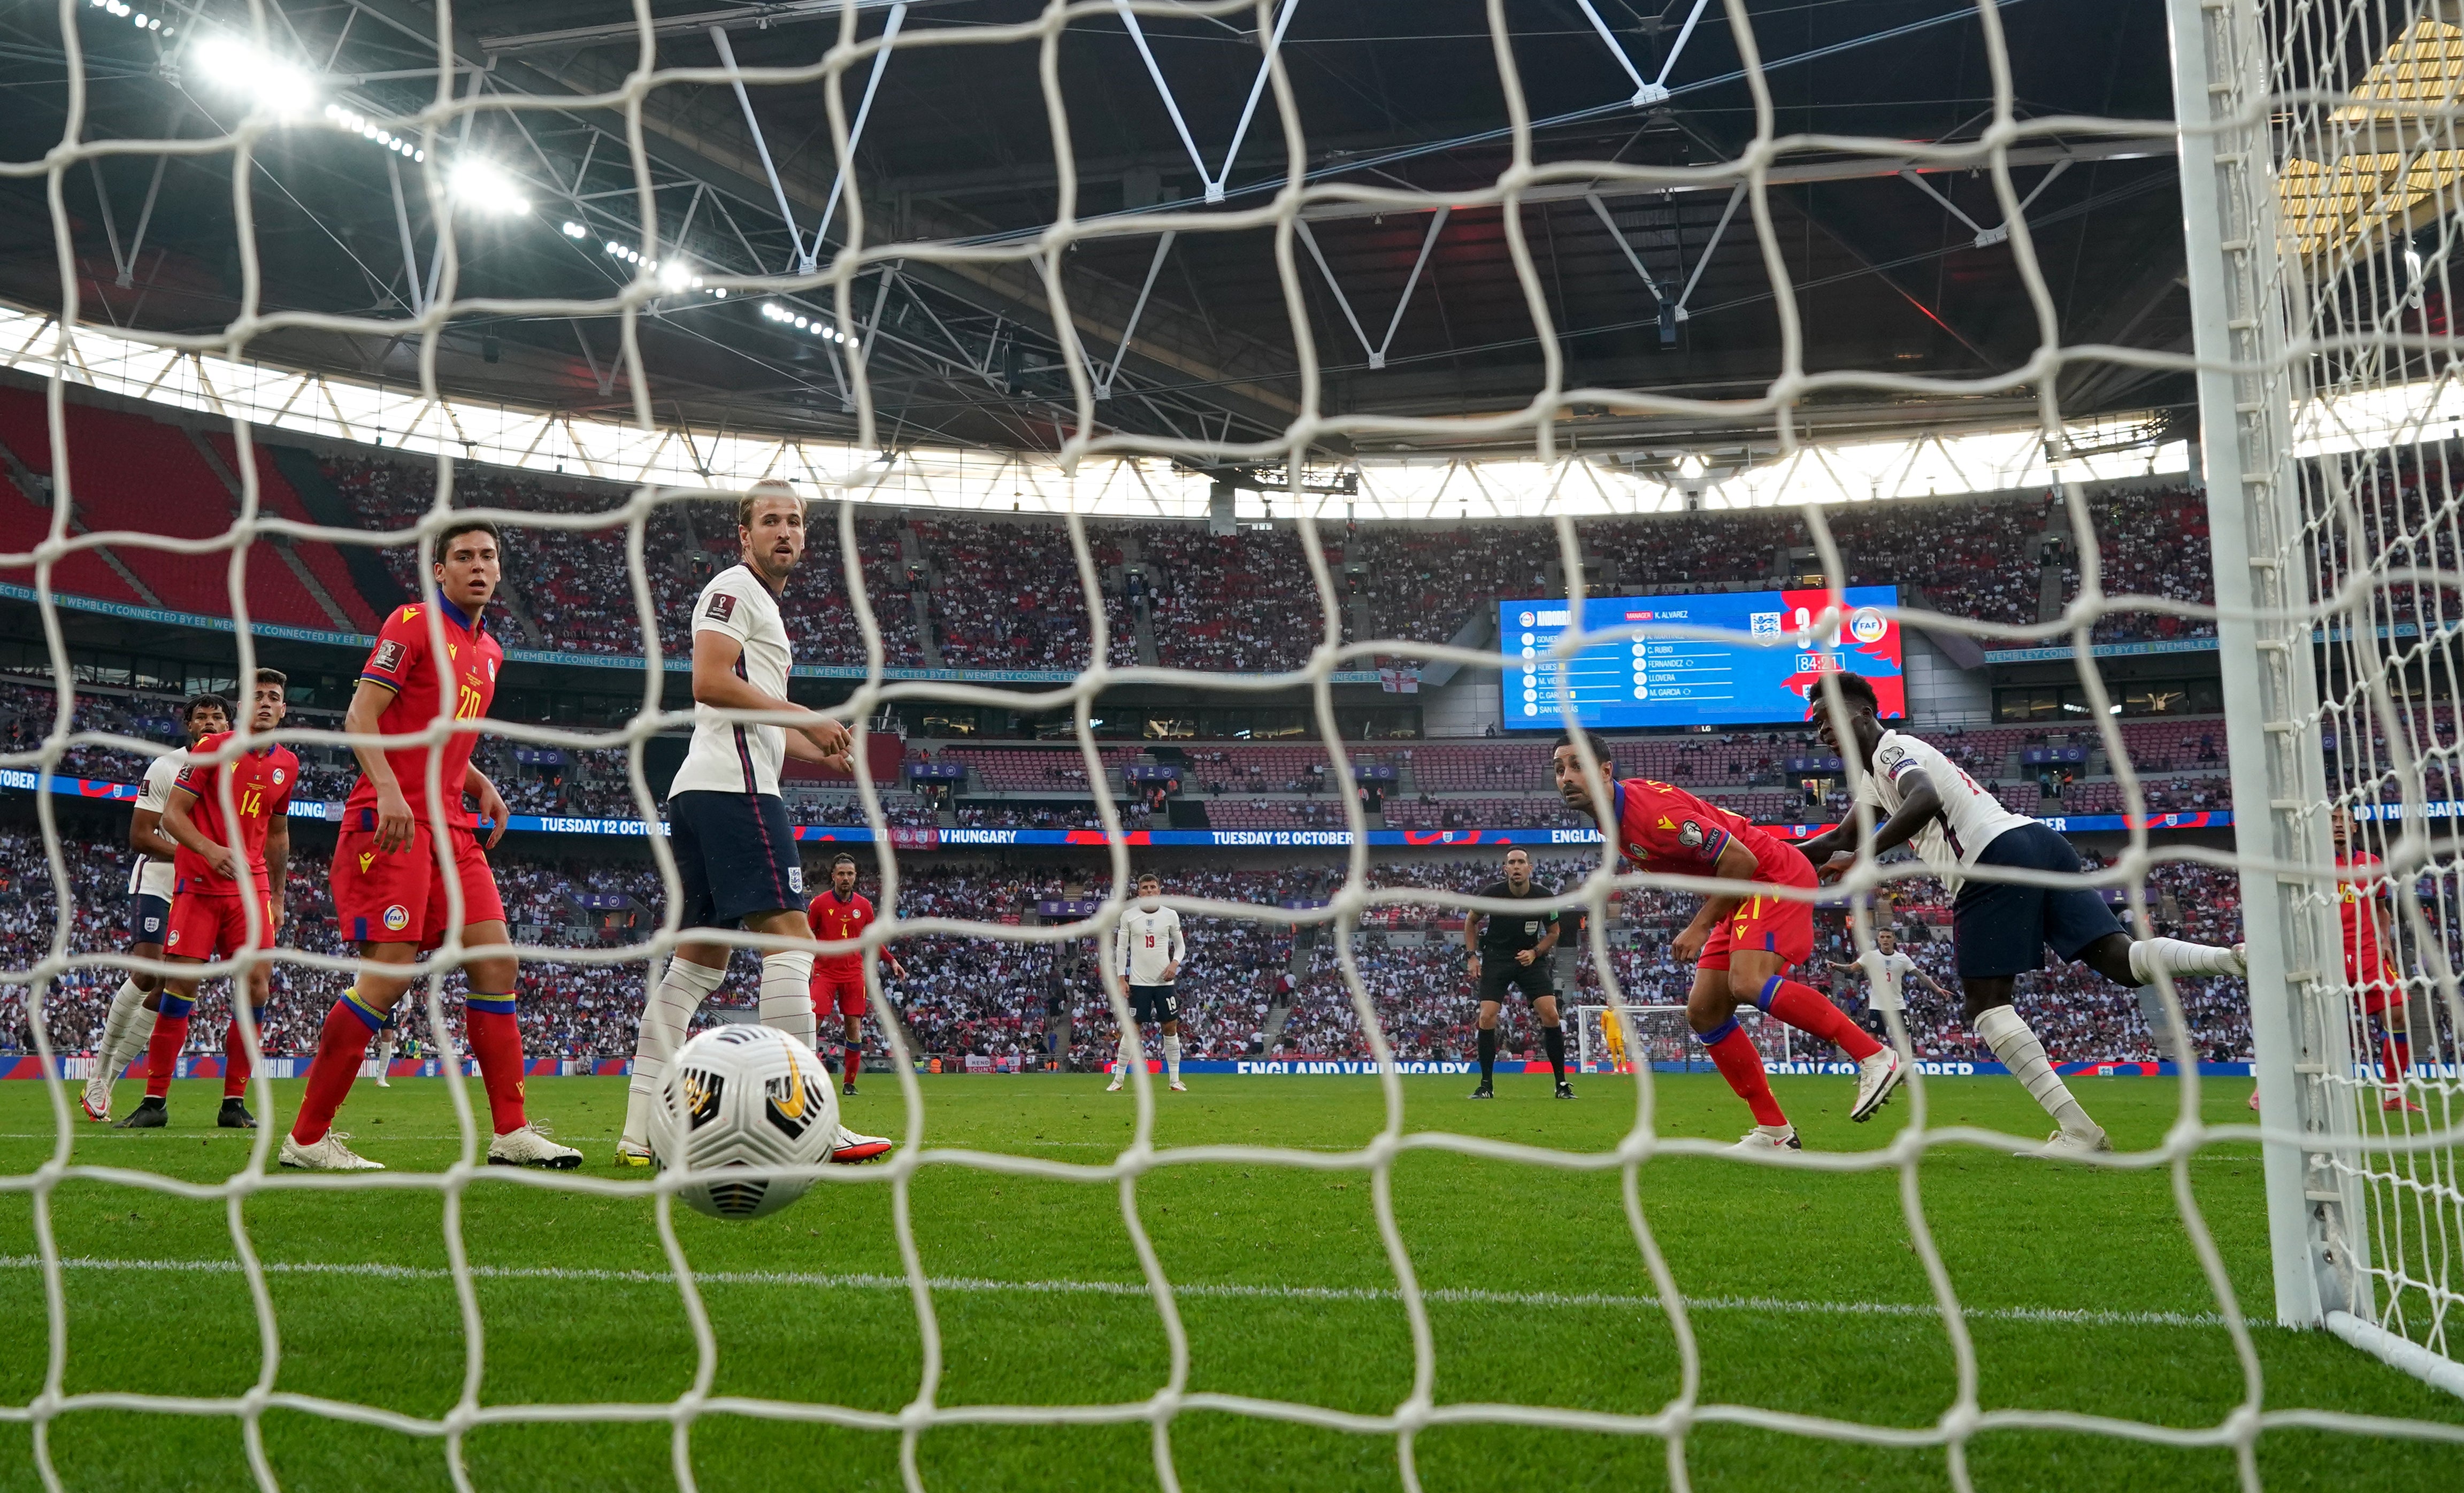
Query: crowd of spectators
pixel 996 996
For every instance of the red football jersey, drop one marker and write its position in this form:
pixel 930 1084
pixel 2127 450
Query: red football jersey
pixel 260 788
pixel 462 689
pixel 832 918
pixel 2363 906
pixel 1668 829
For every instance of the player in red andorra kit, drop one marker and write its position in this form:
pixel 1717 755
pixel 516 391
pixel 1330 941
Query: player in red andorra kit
pixel 1741 944
pixel 841 912
pixel 231 823
pixel 2366 900
pixel 390 895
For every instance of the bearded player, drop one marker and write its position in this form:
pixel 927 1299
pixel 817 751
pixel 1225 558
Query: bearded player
pixel 841 913
pixel 232 822
pixel 1742 945
pixel 390 895
pixel 129 1025
pixel 735 850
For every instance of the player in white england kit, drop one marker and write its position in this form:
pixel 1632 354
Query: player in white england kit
pixel 735 852
pixel 1999 929
pixel 1147 950
pixel 130 1024
pixel 1886 967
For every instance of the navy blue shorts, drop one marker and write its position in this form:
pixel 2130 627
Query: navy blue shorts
pixel 147 918
pixel 2001 928
pixel 1153 1003
pixel 736 855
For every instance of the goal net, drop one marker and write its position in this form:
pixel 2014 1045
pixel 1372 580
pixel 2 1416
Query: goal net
pixel 2321 184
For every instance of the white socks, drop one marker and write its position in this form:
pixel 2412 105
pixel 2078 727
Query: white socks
pixel 787 994
pixel 2176 958
pixel 1172 1056
pixel 1122 1059
pixel 665 1016
pixel 2007 1033
pixel 125 1031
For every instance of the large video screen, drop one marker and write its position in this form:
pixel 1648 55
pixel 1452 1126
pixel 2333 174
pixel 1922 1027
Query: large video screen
pixel 1652 679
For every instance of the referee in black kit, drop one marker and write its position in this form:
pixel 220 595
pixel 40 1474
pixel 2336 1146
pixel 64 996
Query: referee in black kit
pixel 1506 949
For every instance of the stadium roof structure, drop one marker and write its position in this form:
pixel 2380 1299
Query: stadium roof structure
pixel 1653 282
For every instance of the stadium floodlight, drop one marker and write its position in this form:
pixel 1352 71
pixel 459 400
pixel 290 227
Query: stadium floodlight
pixel 482 184
pixel 576 231
pixel 675 277
pixel 265 80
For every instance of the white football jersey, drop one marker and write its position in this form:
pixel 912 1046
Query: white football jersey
pixel 1888 974
pixel 1149 943
pixel 1970 816
pixel 726 758
pixel 151 877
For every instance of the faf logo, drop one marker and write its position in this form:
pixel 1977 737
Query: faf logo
pixel 397 917
pixel 1866 626
pixel 277 776
pixel 173 942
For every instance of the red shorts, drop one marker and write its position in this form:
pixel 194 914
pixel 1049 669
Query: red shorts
pixel 205 926
pixel 2377 992
pixel 844 992
pixel 399 897
pixel 1768 925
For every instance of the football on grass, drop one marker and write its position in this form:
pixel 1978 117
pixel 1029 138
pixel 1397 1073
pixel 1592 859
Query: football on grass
pixel 742 1096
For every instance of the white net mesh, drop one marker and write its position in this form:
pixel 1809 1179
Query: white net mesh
pixel 2373 533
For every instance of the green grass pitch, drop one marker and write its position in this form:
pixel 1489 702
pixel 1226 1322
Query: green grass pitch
pixel 1811 1300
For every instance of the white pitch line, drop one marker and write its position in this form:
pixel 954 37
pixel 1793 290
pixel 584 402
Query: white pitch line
pixel 978 1285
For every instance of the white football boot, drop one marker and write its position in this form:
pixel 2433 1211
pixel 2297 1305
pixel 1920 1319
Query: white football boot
pixel 1878 1077
pixel 1761 1139
pixel 853 1150
pixel 96 1100
pixel 630 1155
pixel 1177 1086
pixel 329 1155
pixel 2067 1146
pixel 1114 1086
pixel 530 1147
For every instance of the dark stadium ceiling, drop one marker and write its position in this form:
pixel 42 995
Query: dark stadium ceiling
pixel 1887 275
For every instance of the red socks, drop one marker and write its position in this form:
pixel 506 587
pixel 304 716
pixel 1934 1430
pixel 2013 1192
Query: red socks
pixel 2395 1055
pixel 851 1063
pixel 1804 1008
pixel 162 1052
pixel 1743 1067
pixel 496 1036
pixel 237 1067
pixel 341 1047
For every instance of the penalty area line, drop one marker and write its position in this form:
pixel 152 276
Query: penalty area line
pixel 978 1285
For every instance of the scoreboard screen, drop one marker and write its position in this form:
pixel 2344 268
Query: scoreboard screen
pixel 1651 677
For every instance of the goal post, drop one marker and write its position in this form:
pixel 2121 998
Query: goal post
pixel 2314 147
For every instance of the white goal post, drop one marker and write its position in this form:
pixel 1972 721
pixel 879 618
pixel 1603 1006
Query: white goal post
pixel 2320 194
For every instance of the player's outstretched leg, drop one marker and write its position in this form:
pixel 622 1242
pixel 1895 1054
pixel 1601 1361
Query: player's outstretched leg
pixel 665 1018
pixel 1761 978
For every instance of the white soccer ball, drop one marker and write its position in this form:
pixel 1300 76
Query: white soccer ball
pixel 743 1096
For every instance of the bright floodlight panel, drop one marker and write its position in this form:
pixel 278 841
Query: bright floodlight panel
pixel 1654 679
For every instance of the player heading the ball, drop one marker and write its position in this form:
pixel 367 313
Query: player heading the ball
pixel 392 895
pixel 1999 929
pixel 735 852
pixel 1742 943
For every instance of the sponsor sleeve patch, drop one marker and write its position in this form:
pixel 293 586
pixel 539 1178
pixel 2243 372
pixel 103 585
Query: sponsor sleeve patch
pixel 388 656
